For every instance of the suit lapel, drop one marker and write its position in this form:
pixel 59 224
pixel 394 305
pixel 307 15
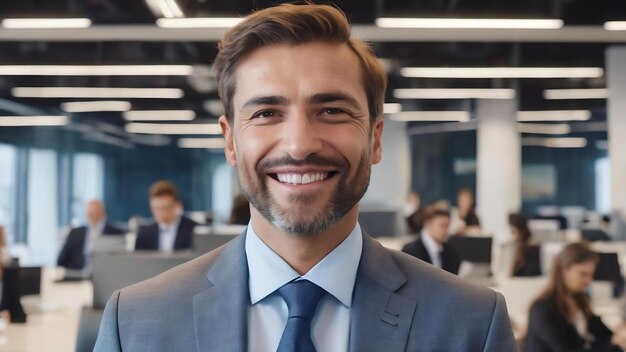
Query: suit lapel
pixel 381 318
pixel 220 311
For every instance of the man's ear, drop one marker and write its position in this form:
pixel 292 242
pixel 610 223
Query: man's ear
pixel 377 145
pixel 229 142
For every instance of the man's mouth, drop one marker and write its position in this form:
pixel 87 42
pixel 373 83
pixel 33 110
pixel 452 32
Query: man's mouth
pixel 302 178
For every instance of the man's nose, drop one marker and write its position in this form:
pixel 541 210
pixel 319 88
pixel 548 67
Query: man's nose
pixel 301 136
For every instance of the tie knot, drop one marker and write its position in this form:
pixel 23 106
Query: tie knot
pixel 302 298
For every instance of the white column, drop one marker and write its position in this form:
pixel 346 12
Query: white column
pixel 616 83
pixel 498 174
pixel 390 180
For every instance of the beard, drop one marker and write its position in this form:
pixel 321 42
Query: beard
pixel 301 217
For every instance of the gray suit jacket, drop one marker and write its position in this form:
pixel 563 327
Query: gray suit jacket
pixel 400 304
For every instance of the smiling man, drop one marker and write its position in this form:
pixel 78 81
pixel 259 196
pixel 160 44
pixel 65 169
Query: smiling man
pixel 303 126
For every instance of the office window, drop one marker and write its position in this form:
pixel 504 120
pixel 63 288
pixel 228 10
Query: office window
pixel 88 184
pixel 7 189
pixel 42 207
pixel 603 186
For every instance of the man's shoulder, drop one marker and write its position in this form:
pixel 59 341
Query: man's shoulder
pixel 186 278
pixel 425 280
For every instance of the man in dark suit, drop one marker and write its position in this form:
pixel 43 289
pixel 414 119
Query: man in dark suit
pixel 78 246
pixel 303 125
pixel 171 231
pixel 432 247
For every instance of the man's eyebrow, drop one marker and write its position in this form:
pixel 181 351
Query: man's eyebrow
pixel 265 100
pixel 332 97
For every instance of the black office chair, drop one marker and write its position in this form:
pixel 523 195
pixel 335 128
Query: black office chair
pixel 608 269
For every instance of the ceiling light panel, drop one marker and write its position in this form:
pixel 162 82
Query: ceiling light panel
pixel 434 116
pixel 42 23
pixel 578 94
pixel 205 143
pixel 95 106
pixel 554 115
pixel 159 115
pixel 162 128
pixel 96 70
pixel 95 92
pixel 453 93
pixel 13 121
pixel 502 72
pixel 469 23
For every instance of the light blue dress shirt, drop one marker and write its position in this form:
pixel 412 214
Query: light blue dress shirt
pixel 167 236
pixel 268 313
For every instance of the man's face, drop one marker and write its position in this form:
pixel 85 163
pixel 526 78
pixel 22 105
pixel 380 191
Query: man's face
pixel 165 209
pixel 465 200
pixel 95 213
pixel 301 136
pixel 437 227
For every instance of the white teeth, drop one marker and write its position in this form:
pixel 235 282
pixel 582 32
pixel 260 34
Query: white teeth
pixel 302 179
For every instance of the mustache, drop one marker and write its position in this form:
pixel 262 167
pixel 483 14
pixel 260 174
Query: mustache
pixel 310 160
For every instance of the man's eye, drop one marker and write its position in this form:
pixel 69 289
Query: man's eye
pixel 264 114
pixel 333 111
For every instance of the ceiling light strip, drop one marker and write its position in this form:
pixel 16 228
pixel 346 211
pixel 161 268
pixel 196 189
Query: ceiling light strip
pixel 13 121
pixel 615 25
pixel 161 128
pixel 469 23
pixel 564 94
pixel 554 115
pixel 205 143
pixel 96 92
pixel 95 106
pixel 433 116
pixel 159 115
pixel 502 72
pixel 565 142
pixel 38 23
pixel 453 93
pixel 96 70
pixel 198 22
pixel 539 128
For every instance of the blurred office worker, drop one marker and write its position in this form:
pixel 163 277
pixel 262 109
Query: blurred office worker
pixel 78 247
pixel 561 318
pixel 303 125
pixel 171 230
pixel 431 247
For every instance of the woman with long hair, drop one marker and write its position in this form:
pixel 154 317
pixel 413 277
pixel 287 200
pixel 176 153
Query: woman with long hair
pixel 561 318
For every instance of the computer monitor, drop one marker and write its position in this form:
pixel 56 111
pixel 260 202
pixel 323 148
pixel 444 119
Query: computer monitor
pixel 206 243
pixel 30 280
pixel 109 243
pixel 608 268
pixel 380 223
pixel 472 249
pixel 112 271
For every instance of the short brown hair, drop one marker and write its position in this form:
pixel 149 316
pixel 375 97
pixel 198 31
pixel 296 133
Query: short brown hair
pixel 434 211
pixel 295 25
pixel 163 188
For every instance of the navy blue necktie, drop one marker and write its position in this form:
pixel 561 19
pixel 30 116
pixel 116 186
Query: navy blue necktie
pixel 302 298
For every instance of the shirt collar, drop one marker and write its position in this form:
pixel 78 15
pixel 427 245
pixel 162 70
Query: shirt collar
pixel 335 273
pixel 429 243
pixel 170 227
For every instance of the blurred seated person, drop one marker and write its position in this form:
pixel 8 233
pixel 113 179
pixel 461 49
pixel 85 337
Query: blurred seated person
pixel 431 246
pixel 561 318
pixel 464 218
pixel 11 309
pixel 78 247
pixel 172 231
pixel 240 214
pixel 414 213
pixel 526 261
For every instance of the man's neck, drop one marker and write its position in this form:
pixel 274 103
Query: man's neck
pixel 303 252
